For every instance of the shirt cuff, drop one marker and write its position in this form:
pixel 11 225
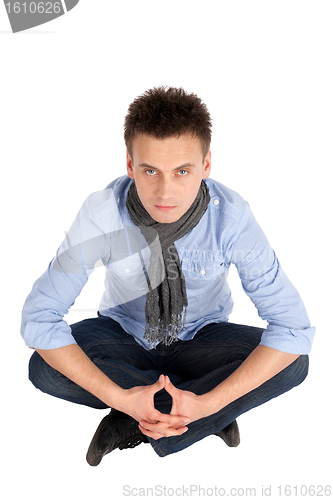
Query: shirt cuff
pixel 288 340
pixel 48 335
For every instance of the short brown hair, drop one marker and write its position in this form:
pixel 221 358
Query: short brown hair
pixel 164 112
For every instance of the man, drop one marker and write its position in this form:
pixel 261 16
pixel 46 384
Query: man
pixel 161 352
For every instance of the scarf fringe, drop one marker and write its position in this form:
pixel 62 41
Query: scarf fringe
pixel 165 334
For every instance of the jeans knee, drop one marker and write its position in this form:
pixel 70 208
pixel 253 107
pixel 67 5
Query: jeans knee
pixel 33 370
pixel 41 375
pixel 301 369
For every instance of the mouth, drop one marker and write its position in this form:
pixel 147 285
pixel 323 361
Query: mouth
pixel 165 208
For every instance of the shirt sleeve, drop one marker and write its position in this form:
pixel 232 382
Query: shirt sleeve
pixel 52 295
pixel 274 296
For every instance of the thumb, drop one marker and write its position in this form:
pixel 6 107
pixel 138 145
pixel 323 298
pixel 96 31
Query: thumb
pixel 159 384
pixel 169 387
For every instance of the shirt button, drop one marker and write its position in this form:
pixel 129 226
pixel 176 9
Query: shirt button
pixel 216 202
pixel 202 272
pixel 127 270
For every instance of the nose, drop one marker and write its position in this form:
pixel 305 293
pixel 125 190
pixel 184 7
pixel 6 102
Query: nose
pixel 165 190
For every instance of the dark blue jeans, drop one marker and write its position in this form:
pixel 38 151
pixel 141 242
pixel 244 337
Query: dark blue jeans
pixel 197 365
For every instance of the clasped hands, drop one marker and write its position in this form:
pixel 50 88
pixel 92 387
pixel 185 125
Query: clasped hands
pixel 186 407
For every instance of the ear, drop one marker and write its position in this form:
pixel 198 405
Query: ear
pixel 207 165
pixel 129 165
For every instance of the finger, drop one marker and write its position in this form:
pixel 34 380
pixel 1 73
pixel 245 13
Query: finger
pixel 168 432
pixel 169 420
pixel 160 427
pixel 157 427
pixel 149 433
pixel 159 384
pixel 169 387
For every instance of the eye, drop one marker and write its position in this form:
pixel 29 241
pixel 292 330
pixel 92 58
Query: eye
pixel 182 172
pixel 150 172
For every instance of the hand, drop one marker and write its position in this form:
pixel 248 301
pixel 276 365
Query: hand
pixel 139 404
pixel 183 403
pixel 186 402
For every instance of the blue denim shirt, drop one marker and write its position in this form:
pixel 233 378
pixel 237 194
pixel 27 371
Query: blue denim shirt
pixel 227 234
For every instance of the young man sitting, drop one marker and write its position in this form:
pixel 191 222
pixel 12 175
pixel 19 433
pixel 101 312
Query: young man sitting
pixel 161 352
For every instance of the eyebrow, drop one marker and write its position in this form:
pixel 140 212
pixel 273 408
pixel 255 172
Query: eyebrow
pixel 185 165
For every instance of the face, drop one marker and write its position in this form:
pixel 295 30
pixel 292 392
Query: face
pixel 167 174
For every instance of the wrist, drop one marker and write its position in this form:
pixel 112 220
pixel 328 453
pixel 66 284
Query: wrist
pixel 213 401
pixel 114 396
pixel 121 400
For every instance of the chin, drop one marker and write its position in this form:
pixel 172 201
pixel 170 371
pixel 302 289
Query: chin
pixel 167 219
pixel 162 217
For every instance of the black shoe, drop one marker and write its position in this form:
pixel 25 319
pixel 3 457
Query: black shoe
pixel 230 434
pixel 116 430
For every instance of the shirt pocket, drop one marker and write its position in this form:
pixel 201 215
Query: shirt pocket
pixel 128 278
pixel 201 276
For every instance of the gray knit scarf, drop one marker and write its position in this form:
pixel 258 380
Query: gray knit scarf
pixel 166 304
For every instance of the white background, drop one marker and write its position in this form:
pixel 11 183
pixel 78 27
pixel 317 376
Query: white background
pixel 264 68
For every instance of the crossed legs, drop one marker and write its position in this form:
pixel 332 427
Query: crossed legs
pixel 197 365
